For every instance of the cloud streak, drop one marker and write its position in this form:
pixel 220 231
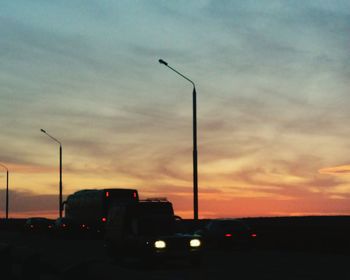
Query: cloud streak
pixel 336 170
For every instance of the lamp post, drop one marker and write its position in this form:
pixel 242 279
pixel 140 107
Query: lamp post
pixel 195 157
pixel 60 205
pixel 7 190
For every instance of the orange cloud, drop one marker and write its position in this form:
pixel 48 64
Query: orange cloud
pixel 336 170
pixel 48 214
pixel 27 168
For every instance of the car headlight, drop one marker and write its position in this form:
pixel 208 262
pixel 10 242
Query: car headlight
pixel 195 243
pixel 160 244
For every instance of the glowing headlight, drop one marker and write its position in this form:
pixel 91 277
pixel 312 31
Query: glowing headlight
pixel 160 244
pixel 195 243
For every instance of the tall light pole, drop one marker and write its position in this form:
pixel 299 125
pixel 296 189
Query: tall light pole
pixel 60 205
pixel 195 156
pixel 7 190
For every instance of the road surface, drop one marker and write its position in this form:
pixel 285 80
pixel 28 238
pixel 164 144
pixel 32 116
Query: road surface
pixel 62 259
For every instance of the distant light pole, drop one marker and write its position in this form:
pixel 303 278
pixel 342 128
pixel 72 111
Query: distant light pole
pixel 7 190
pixel 60 207
pixel 195 157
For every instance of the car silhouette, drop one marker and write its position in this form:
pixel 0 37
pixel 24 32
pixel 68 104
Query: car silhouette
pixel 227 233
pixel 39 224
pixel 64 226
pixel 146 230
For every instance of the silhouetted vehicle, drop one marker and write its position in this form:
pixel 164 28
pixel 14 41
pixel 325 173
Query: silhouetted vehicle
pixel 147 230
pixel 69 228
pixel 65 225
pixel 228 234
pixel 39 224
pixel 88 209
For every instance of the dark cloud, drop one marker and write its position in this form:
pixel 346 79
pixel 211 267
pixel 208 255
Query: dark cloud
pixel 26 201
pixel 41 45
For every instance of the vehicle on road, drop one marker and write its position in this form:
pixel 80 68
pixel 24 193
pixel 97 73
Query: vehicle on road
pixel 39 225
pixel 146 230
pixel 227 233
pixel 64 225
pixel 87 210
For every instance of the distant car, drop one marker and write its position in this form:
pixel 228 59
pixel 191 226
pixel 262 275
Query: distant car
pixel 64 225
pixel 38 224
pixel 227 233
pixel 70 228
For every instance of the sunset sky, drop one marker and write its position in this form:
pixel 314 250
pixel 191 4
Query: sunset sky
pixel 273 103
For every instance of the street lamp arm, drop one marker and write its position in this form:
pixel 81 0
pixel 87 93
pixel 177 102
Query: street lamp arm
pixel 53 138
pixel 161 61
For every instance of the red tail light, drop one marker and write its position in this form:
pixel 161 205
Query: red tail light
pixel 253 235
pixel 135 195
pixel 107 194
pixel 104 219
pixel 228 235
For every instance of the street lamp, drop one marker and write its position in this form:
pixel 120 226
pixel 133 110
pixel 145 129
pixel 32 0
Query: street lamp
pixel 195 157
pixel 7 190
pixel 60 205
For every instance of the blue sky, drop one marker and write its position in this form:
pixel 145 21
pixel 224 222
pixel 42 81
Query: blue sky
pixel 273 82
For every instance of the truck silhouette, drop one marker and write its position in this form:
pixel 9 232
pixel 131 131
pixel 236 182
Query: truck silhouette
pixel 88 209
pixel 130 227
